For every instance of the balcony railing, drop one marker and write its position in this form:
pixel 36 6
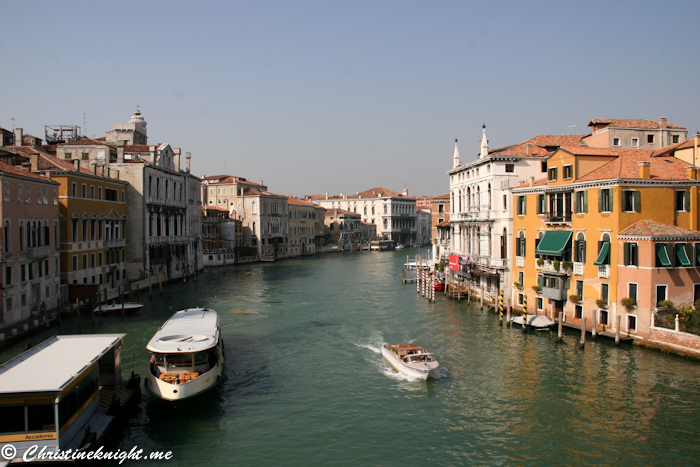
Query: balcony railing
pixel 116 242
pixel 578 269
pixel 558 217
pixel 604 271
pixel 38 252
pixel 519 261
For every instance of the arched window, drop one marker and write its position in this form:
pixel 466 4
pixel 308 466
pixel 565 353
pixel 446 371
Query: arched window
pixel 253 228
pixel 365 210
pixel 372 212
pixel 504 244
pixel 580 248
pixel 488 201
pixel 520 244
pixel 469 198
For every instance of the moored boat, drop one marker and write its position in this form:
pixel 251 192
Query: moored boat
pixel 410 359
pixel 187 355
pixel 116 308
pixel 399 246
pixel 537 322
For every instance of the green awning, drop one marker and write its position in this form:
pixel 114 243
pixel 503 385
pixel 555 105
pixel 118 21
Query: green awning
pixel 553 242
pixel 662 254
pixel 602 255
pixel 682 256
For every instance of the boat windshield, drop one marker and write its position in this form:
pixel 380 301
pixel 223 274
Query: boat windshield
pixel 174 360
pixel 423 357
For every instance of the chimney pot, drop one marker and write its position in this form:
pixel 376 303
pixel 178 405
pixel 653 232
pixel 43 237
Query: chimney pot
pixel 76 165
pixel 529 149
pixel 121 144
pixel 35 162
pixel 532 181
pixel 663 122
pixel 188 157
pixel 19 137
pixel 690 172
pixel 645 170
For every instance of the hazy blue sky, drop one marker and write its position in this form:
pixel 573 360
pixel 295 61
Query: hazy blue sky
pixel 341 96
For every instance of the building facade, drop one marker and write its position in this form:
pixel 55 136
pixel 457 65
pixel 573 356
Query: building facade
pixel 265 224
pixel 633 133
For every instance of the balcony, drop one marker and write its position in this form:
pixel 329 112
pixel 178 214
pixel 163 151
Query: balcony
pixel 578 269
pixel 604 271
pixel 558 218
pixel 38 252
pixel 554 287
pixel 519 261
pixel 117 242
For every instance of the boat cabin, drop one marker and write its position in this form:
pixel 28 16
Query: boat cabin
pixel 51 393
pixel 411 353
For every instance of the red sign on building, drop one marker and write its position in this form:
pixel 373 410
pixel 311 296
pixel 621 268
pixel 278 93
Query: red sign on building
pixel 454 262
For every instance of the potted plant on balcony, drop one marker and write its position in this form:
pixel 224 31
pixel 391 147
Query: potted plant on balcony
pixel 628 302
pixel 575 298
pixel 556 264
pixel 517 285
pixel 567 265
pixel 537 288
pixel 540 262
pixel 602 303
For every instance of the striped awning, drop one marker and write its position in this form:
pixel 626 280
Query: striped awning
pixel 682 256
pixel 605 249
pixel 662 254
pixel 553 242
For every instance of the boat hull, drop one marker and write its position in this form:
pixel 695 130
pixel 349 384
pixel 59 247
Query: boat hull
pixel 411 371
pixel 177 392
pixel 117 309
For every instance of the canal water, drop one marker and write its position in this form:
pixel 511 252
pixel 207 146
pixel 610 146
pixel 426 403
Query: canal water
pixel 306 384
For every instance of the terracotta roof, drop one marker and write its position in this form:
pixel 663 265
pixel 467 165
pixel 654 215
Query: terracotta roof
pixel 228 180
pixel 668 150
pixel 627 167
pixel 443 224
pixel 262 193
pixel 631 123
pixel 85 142
pixel 542 145
pixel 341 211
pixel 587 151
pixel 137 148
pixel 49 162
pixel 367 223
pixel 11 169
pixel 525 184
pixel 297 202
pixel 371 193
pixel 649 228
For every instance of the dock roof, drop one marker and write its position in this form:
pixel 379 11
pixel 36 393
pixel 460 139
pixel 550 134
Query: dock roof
pixel 53 364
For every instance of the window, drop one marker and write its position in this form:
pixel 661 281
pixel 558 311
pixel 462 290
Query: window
pixel 85 261
pixel 55 197
pixel 581 202
pixel 544 167
pixel 84 190
pixel 541 204
pixel 521 278
pixel 603 257
pixel 632 291
pixel 8 275
pixel 510 168
pixel 616 141
pixel 605 200
pixel 522 205
pixel 635 142
pixel 650 139
pixel 675 139
pixel 578 311
pixel 660 293
pixel 552 174
pixel 20 193
pixel 580 249
pixel 682 200
pixel 66 155
pixel 505 202
pixel 74 190
pixel 85 156
pixel 520 245
pixel 631 201
pixel 632 323
pixel 520 299
pixel 664 255
pixel 631 254
pixel 568 171
pixel 604 291
pixel 6 191
pixel 99 192
pixel 538 302
pixel 603 315
pixel 579 289
pixel 92 191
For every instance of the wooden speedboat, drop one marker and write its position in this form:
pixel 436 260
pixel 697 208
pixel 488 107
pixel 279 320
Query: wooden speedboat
pixel 187 355
pixel 537 322
pixel 116 308
pixel 410 359
pixel 399 246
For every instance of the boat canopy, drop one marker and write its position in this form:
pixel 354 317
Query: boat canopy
pixel 51 366
pixel 553 242
pixel 187 331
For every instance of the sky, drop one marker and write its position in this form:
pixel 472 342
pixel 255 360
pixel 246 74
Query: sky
pixel 342 96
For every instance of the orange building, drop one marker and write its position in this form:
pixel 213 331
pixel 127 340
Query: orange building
pixel 571 228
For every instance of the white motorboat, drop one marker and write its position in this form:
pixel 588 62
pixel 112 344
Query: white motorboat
pixel 410 359
pixel 399 246
pixel 116 308
pixel 537 322
pixel 187 355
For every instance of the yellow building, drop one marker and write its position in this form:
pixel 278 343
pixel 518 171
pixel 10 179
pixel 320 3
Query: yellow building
pixel 92 206
pixel 566 229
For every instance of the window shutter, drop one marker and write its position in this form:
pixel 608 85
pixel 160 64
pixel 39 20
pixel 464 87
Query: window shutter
pixel 517 247
pixel 627 254
pixel 636 254
pixel 637 201
pixel 522 249
pixel 540 280
pixel 585 201
pixel 583 253
pixel 576 207
pixel 568 283
pixel 610 197
pixel 524 205
pixel 686 200
pixel 539 204
pixel 623 201
pixel 600 200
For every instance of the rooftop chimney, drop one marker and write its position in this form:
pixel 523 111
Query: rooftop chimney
pixel 690 172
pixel 19 137
pixel 645 170
pixel 35 162
pixel 326 195
pixel 663 122
pixel 176 159
pixel 76 165
pixel 188 157
pixel 529 150
pixel 121 144
pixel 532 181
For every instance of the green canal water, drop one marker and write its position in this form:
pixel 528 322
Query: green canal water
pixel 306 384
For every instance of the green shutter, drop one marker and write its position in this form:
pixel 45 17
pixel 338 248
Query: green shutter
pixel 662 255
pixel 600 200
pixel 637 201
pixel 517 247
pixel 524 205
pixel 610 191
pixel 627 254
pixel 583 260
pixel 686 200
pixel 623 201
pixel 539 204
pixel 585 201
pixel 682 255
pixel 697 254
pixel 523 250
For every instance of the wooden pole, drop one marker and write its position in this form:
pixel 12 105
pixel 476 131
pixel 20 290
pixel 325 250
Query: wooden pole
pixel 500 307
pixel 583 331
pixel 508 311
pixel 482 293
pixel 560 327
pixel 150 287
pixel 524 313
pixel 121 298
pixel 160 282
pixel 595 323
pixel 617 330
